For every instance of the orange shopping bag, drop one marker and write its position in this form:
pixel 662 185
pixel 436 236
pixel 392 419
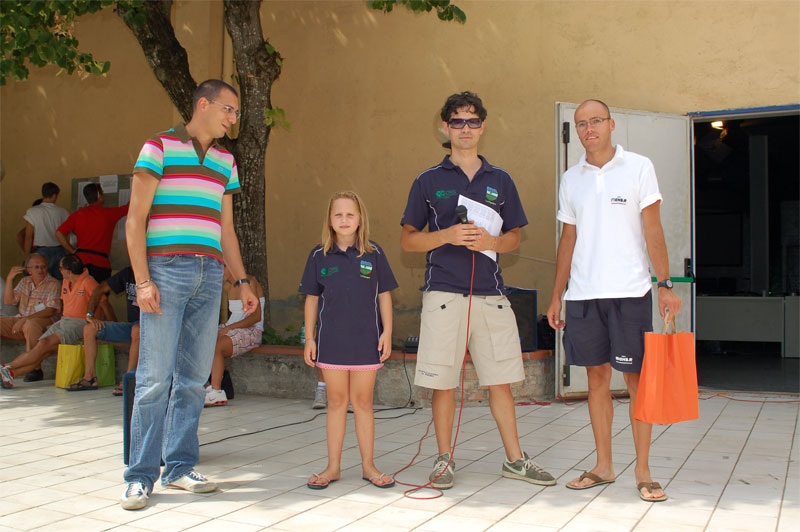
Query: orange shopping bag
pixel 668 383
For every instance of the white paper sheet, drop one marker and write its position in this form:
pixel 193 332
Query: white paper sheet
pixel 120 228
pixel 124 196
pixel 81 198
pixel 109 183
pixel 485 217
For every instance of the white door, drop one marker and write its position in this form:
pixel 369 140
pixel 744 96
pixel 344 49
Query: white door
pixel 667 141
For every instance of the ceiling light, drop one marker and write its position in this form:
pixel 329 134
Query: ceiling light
pixel 717 124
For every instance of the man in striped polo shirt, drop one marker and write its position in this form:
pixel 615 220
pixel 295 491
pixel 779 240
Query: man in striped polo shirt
pixel 184 182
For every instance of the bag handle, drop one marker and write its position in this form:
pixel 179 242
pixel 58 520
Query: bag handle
pixel 669 324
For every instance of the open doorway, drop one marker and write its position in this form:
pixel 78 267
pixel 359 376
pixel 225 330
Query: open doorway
pixel 746 203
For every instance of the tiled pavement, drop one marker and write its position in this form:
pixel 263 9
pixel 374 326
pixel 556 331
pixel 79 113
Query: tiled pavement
pixel 736 468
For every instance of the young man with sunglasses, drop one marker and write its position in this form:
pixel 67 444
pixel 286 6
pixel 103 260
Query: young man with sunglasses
pixel 451 247
pixel 609 204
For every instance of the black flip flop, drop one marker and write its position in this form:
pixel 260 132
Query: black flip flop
pixel 83 385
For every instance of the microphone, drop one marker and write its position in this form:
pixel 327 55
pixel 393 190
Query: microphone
pixel 461 214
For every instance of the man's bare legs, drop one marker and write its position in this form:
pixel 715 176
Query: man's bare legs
pixel 444 410
pixel 642 435
pixel 90 350
pixel 501 403
pixel 33 359
pixel 601 414
pixel 133 352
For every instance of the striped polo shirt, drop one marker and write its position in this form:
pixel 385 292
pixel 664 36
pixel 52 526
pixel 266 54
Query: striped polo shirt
pixel 185 216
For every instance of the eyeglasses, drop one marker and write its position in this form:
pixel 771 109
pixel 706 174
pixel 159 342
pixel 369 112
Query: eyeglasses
pixel 228 109
pixel 36 266
pixel 459 123
pixel 594 122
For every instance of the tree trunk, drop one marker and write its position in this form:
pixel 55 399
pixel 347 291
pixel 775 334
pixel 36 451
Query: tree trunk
pixel 256 70
pixel 164 53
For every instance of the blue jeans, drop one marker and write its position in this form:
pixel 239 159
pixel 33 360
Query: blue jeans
pixel 175 354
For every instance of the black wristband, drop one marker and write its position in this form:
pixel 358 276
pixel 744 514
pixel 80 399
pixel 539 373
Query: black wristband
pixel 240 281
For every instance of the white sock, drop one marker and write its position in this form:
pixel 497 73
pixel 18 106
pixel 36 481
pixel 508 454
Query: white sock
pixel 320 385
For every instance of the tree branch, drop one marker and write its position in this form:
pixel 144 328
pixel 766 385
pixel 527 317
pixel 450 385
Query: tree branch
pixel 165 55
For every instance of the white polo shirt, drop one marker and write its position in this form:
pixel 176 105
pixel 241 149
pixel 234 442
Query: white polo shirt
pixel 45 219
pixel 605 204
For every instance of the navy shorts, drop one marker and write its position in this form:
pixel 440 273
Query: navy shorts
pixel 600 331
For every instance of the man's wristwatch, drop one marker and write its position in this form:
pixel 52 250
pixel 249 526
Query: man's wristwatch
pixel 90 314
pixel 240 281
pixel 666 283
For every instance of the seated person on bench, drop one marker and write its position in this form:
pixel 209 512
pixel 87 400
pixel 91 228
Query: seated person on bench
pixel 76 289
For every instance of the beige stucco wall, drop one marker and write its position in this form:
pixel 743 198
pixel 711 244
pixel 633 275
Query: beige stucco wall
pixel 362 91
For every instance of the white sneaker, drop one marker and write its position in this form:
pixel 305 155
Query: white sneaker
pixel 194 482
pixel 320 398
pixel 135 496
pixel 6 379
pixel 216 398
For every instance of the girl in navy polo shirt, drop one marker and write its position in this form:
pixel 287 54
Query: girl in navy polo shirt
pixel 347 281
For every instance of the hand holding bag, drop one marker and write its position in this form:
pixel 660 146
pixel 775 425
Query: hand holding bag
pixel 668 382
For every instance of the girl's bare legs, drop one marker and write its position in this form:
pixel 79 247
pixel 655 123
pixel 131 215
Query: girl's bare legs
pixel 362 384
pixel 338 383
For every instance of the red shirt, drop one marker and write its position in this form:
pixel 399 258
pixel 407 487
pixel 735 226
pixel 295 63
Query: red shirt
pixel 94 227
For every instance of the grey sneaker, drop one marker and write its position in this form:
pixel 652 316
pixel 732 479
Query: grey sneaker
pixel 320 398
pixel 528 470
pixel 135 496
pixel 194 482
pixel 6 380
pixel 446 473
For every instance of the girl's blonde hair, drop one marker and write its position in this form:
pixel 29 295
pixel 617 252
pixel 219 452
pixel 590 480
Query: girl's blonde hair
pixel 362 242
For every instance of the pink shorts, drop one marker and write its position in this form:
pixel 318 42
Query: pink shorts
pixel 244 339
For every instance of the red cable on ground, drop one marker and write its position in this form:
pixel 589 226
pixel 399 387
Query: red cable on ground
pixel 417 487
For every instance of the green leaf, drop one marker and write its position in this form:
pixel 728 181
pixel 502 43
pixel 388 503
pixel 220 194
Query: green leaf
pixel 276 117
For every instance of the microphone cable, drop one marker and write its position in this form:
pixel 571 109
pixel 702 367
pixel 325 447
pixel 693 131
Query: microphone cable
pixel 416 487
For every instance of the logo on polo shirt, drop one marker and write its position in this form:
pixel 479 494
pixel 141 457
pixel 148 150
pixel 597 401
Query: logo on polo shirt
pixel 622 359
pixel 619 200
pixel 444 194
pixel 366 269
pixel 327 272
pixel 491 195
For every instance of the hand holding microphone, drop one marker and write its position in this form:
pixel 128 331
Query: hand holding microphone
pixel 463 233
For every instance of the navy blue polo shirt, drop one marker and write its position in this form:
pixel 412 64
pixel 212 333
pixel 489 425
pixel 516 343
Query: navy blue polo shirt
pixel 349 319
pixel 432 202
pixel 124 280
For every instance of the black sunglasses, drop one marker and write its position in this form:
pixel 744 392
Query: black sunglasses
pixel 459 123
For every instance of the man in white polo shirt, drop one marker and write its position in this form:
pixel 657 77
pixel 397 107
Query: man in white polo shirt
pixel 609 204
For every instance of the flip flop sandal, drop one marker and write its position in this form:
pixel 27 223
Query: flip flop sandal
pixel 596 481
pixel 650 487
pixel 117 390
pixel 320 486
pixel 83 385
pixel 375 481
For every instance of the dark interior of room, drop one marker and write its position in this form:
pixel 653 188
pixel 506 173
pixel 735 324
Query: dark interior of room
pixel 729 243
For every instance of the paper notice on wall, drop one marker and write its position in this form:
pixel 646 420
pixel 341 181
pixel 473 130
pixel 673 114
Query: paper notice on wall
pixel 120 228
pixel 109 183
pixel 485 217
pixel 124 196
pixel 81 198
